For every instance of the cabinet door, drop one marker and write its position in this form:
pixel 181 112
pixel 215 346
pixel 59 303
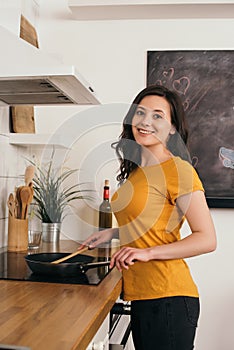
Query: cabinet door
pixel 101 338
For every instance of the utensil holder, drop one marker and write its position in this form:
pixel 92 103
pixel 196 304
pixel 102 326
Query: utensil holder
pixel 17 234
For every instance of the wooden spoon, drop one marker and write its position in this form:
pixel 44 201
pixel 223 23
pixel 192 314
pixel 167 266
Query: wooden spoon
pixel 18 202
pixel 25 194
pixel 70 256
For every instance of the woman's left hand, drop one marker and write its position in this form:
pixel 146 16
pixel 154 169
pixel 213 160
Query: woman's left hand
pixel 128 256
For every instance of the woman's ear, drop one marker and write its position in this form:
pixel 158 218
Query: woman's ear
pixel 173 130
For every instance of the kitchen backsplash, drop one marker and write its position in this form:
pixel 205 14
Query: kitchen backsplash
pixel 12 167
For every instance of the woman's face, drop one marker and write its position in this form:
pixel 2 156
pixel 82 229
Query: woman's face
pixel 151 123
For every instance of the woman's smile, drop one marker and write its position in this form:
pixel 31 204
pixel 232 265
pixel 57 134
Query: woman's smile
pixel 145 131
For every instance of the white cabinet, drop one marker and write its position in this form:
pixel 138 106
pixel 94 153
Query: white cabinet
pixel 101 338
pixel 150 9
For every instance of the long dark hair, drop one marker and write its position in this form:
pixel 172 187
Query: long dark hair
pixel 128 151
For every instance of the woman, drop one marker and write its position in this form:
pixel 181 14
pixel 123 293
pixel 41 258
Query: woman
pixel 158 191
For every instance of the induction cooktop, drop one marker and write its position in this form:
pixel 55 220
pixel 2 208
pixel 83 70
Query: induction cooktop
pixel 14 267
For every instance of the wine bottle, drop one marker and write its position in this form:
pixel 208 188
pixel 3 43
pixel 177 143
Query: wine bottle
pixel 105 221
pixel 105 212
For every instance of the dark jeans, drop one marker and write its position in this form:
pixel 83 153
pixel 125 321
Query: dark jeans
pixel 165 323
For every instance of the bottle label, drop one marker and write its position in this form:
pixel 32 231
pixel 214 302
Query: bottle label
pixel 106 193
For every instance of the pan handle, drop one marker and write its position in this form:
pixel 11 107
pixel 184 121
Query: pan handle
pixel 84 267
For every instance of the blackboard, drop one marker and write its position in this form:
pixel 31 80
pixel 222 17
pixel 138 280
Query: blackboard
pixel 205 82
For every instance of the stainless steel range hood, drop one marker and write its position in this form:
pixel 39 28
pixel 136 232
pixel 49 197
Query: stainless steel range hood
pixel 28 76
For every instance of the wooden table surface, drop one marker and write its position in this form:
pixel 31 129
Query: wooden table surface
pixel 55 316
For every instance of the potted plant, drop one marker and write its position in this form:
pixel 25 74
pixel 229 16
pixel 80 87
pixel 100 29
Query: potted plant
pixel 52 196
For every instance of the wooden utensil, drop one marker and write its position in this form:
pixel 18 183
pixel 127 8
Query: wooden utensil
pixel 11 204
pixel 25 194
pixel 30 186
pixel 18 202
pixel 29 174
pixel 70 256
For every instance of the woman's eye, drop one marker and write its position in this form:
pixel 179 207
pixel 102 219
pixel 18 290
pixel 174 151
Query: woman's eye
pixel 157 116
pixel 139 112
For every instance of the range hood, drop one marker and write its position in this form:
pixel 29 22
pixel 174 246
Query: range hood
pixel 28 76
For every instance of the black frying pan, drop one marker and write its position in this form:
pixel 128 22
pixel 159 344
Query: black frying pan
pixel 41 264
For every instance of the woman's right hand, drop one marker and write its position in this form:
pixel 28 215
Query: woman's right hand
pixel 99 237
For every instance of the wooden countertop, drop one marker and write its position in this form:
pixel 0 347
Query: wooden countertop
pixel 55 316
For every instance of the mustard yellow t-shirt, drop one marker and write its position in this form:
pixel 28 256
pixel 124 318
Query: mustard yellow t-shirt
pixel 147 215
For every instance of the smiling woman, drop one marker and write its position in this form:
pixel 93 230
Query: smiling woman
pixel 158 191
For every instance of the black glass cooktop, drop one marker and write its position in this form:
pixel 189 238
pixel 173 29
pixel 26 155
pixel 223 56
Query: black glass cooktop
pixel 14 267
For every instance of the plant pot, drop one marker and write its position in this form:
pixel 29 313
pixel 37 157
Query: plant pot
pixel 51 231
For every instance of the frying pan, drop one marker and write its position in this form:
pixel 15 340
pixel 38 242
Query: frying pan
pixel 41 264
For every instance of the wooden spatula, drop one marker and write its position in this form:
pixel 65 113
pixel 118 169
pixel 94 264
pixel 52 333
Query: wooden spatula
pixel 70 256
pixel 30 186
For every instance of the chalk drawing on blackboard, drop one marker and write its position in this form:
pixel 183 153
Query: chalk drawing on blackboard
pixel 227 157
pixel 204 79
